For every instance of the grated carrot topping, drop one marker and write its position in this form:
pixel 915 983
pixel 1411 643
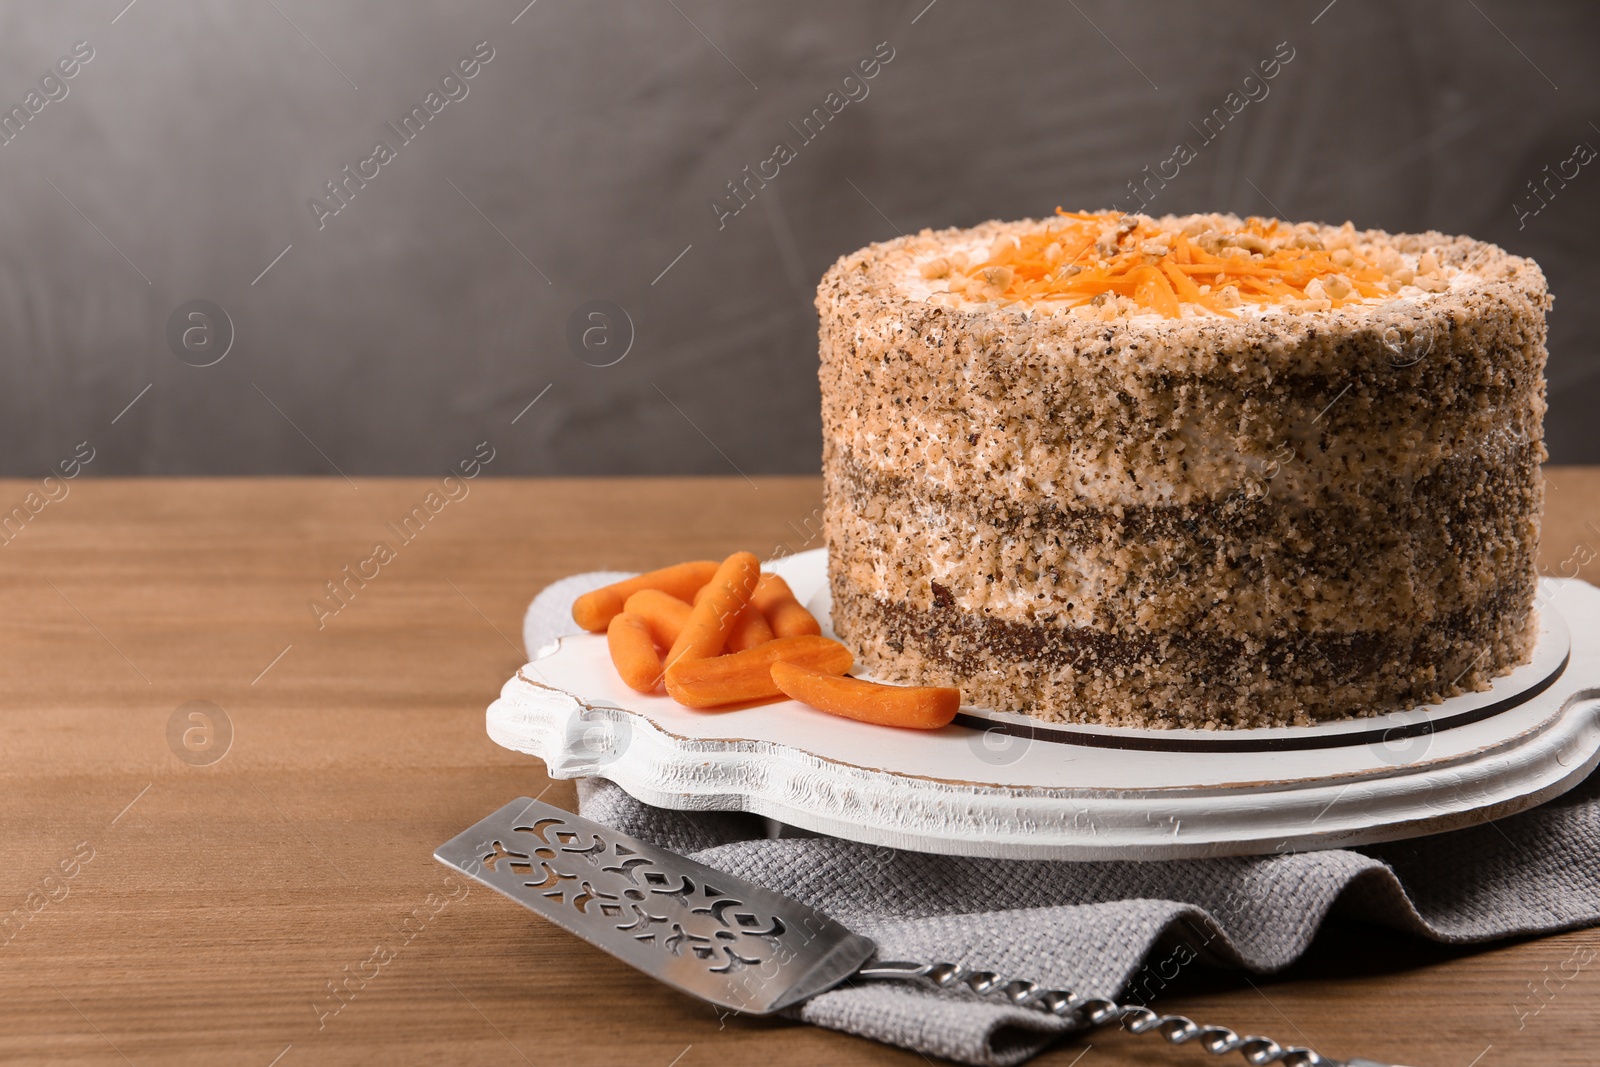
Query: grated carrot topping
pixel 1083 258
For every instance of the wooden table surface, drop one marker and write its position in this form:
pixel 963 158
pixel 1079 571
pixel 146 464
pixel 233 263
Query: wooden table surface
pixel 164 910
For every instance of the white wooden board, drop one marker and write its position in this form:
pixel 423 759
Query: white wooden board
pixel 1003 785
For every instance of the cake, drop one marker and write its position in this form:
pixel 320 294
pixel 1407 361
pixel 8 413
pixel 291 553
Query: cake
pixel 1199 471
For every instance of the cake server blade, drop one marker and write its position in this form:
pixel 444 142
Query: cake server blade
pixel 714 936
pixel 742 946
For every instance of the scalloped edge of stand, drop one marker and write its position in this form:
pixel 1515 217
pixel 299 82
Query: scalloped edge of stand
pixel 580 738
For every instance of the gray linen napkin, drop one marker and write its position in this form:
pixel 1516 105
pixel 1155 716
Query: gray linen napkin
pixel 1110 928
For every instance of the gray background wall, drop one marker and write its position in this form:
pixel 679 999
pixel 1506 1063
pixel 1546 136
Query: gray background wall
pixel 431 310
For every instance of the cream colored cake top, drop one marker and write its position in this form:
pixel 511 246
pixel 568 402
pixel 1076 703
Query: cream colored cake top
pixel 1108 266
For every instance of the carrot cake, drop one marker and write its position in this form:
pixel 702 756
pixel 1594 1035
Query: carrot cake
pixel 1195 471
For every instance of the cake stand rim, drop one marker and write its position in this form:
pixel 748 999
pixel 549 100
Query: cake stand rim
pixel 1017 822
pixel 781 780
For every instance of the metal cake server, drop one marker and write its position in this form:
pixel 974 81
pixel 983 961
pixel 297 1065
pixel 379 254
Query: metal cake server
pixel 745 948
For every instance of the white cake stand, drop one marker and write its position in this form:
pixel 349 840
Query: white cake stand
pixel 1004 785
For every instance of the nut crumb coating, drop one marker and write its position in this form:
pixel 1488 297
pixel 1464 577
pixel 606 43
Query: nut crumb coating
pixel 1266 515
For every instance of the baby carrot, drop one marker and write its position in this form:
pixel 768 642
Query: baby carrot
pixel 633 652
pixel 744 676
pixel 749 630
pixel 706 631
pixel 662 612
pixel 593 611
pixel 920 707
pixel 787 616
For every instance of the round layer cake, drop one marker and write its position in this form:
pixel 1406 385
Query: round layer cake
pixel 1184 472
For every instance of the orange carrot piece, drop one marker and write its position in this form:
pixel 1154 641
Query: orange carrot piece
pixel 711 620
pixel 740 677
pixel 749 630
pixel 1227 265
pixel 1181 250
pixel 918 707
pixel 633 651
pixel 662 612
pixel 777 602
pixel 1181 284
pixel 594 611
pixel 1155 292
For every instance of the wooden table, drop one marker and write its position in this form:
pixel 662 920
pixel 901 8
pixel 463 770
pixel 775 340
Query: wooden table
pixel 172 911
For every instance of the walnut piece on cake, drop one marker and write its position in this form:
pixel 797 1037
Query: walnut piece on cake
pixel 1187 471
